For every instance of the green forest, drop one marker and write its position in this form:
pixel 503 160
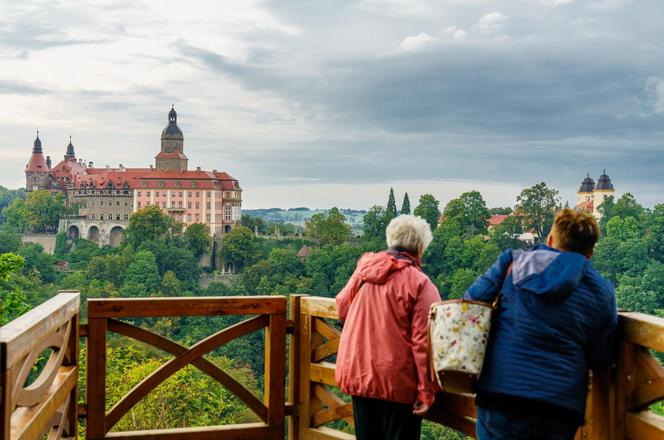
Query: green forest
pixel 159 258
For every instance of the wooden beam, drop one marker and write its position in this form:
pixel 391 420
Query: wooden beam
pixel 275 372
pixel 320 307
pixel 647 394
pixel 323 372
pixel 30 423
pixel 248 431
pixel 644 425
pixel 294 367
pixel 304 359
pixel 95 427
pixel 20 336
pixel 325 433
pixel 642 329
pixel 192 306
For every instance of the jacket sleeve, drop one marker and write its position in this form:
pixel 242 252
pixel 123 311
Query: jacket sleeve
pixel 344 296
pixel 419 340
pixel 486 287
pixel 603 348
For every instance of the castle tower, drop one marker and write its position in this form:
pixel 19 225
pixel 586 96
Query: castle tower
pixel 603 189
pixel 70 155
pixel 585 192
pixel 171 156
pixel 36 171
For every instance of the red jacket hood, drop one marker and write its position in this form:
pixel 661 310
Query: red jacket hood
pixel 377 268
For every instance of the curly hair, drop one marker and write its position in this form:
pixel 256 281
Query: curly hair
pixel 409 233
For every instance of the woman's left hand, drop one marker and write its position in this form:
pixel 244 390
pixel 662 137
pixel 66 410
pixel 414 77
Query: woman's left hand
pixel 419 408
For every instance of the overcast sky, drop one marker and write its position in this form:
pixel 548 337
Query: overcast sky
pixel 329 103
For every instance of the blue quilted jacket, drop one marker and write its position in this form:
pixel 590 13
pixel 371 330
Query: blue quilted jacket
pixel 556 320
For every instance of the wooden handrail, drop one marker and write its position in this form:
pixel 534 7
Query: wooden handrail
pixel 617 407
pixel 49 404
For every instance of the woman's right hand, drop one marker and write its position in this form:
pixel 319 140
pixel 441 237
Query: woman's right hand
pixel 419 408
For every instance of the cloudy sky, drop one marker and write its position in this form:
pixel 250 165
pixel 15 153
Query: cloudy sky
pixel 328 102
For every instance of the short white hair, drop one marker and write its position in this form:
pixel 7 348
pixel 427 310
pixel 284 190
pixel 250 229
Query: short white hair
pixel 409 233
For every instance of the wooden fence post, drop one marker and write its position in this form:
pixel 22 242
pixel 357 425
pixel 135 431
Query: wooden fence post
pixel 294 368
pixel 96 378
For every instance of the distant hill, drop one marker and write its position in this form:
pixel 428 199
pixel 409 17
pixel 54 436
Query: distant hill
pixel 298 216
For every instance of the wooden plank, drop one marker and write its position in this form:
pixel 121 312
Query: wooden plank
pixel 320 307
pixel 247 431
pixel 6 384
pixel 304 404
pixel 644 425
pixel 30 423
pixel 647 394
pixel 172 347
pixel 71 359
pixel 647 366
pixel 624 386
pixel 323 372
pixel 599 412
pixel 331 414
pixel 330 333
pixel 644 330
pixel 326 350
pixel 275 372
pixel 294 366
pixel 162 373
pixel 25 332
pixel 325 433
pixel 96 379
pixel 192 306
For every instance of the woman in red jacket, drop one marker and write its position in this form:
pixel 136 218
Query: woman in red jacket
pixel 382 358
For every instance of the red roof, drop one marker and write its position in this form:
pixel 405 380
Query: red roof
pixel 173 155
pixel 588 206
pixel 37 164
pixel 152 178
pixel 497 219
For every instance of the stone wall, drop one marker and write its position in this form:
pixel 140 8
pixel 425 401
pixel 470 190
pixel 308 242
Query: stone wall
pixel 102 232
pixel 46 240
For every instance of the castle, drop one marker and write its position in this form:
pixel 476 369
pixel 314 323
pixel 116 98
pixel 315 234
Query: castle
pixel 591 196
pixel 107 197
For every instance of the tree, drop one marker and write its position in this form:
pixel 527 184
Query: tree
pixel 504 235
pixel 9 241
pixel 391 209
pixel 328 229
pixel 148 223
pixel 197 236
pixel 538 204
pixel 44 210
pixel 470 211
pixel 7 196
pixel 428 210
pixel 373 227
pixel 625 206
pixel 16 215
pixel 37 261
pixel 142 275
pixel 170 285
pixel 405 205
pixel 254 223
pixel 240 247
pixel 13 302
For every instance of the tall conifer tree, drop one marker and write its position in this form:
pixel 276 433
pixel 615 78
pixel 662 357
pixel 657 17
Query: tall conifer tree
pixel 391 210
pixel 405 205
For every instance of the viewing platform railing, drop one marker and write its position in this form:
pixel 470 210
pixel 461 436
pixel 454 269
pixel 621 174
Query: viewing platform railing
pixel 306 406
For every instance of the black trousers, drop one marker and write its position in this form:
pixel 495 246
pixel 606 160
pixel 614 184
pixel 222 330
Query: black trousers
pixel 383 420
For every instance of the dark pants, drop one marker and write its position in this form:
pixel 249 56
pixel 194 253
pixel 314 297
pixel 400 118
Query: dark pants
pixel 382 420
pixel 516 425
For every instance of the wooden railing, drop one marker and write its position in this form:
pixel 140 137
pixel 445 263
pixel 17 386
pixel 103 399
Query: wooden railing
pixel 47 406
pixel 103 315
pixel 617 403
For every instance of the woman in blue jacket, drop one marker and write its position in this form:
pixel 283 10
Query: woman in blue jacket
pixel 556 319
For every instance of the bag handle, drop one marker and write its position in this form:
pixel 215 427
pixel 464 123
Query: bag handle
pixel 494 304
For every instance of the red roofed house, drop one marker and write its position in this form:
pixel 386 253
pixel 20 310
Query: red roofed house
pixel 495 220
pixel 107 197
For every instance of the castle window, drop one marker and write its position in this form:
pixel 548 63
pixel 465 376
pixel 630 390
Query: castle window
pixel 101 216
pixel 227 212
pixel 198 217
pixel 198 194
pixel 188 217
pixel 117 203
pixel 180 204
pixel 178 184
pixel 189 205
pixel 162 184
pixel 209 194
pixel 138 205
pixel 117 216
pixel 198 205
pixel 208 205
pixel 189 194
pixel 207 218
pixel 126 216
pixel 194 184
pixel 138 193
pixel 172 193
pixel 156 193
pixel 147 193
pixel 93 216
pixel 216 184
pixel 180 194
pixel 163 204
pixel 144 183
pixel 110 203
pixel 217 218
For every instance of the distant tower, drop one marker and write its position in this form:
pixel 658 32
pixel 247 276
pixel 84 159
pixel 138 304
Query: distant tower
pixel 70 155
pixel 603 189
pixel 171 156
pixel 37 170
pixel 585 192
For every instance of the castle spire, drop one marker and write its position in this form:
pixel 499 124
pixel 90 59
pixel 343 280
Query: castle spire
pixel 70 155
